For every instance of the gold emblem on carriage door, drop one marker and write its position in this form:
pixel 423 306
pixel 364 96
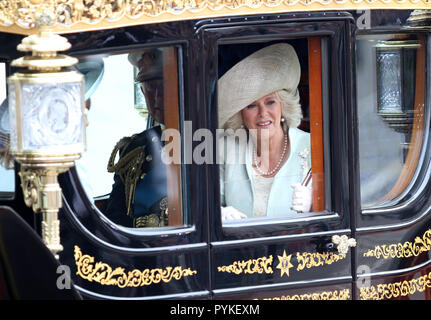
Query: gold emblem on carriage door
pixel 284 263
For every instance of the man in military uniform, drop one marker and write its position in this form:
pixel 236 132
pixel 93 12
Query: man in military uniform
pixel 138 197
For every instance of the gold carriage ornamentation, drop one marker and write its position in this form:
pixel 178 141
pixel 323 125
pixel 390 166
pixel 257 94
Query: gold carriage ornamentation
pixel 104 274
pixel 77 15
pixel 343 294
pixel 251 266
pixel 305 260
pixel 402 250
pixel 396 289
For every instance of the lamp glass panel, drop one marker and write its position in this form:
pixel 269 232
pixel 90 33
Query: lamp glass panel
pixel 12 117
pixel 389 80
pixel 52 115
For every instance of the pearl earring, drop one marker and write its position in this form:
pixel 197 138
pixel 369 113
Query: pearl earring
pixel 282 119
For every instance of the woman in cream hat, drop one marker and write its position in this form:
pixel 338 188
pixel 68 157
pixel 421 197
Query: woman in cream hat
pixel 259 95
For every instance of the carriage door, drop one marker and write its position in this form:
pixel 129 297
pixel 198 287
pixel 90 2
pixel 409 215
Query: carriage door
pixel 393 227
pixel 280 254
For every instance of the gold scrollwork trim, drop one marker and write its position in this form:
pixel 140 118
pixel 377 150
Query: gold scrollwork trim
pixel 325 295
pixel 309 260
pixel 402 250
pixel 396 289
pixel 305 260
pixel 97 14
pixel 259 265
pixel 104 274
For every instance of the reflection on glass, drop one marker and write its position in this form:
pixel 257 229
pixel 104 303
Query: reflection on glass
pixel 389 81
pixel 390 90
pixel 140 103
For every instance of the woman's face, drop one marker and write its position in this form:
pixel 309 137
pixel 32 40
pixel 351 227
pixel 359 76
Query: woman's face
pixel 264 113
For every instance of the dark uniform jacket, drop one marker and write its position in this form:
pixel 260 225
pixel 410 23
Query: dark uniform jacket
pixel 138 197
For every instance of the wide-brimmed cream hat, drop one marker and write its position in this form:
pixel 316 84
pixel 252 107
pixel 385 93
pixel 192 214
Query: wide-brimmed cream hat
pixel 271 69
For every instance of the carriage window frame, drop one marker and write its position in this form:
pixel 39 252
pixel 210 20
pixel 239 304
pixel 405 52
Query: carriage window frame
pixel 412 190
pixel 187 224
pixel 328 213
pixel 7 175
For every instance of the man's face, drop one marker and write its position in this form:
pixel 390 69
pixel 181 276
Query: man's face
pixel 153 93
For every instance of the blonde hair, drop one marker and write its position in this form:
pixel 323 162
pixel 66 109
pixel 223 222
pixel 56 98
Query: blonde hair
pixel 291 111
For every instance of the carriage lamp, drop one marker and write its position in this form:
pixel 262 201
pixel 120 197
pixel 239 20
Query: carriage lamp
pixel 396 79
pixel 396 60
pixel 419 18
pixel 46 107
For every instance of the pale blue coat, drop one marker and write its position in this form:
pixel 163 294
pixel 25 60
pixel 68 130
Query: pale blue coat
pixel 236 176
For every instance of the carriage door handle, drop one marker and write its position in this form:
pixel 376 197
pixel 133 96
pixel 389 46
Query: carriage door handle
pixel 343 243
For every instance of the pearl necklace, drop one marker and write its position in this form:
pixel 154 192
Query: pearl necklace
pixel 268 173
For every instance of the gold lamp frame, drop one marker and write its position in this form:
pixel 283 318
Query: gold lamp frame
pixel 40 167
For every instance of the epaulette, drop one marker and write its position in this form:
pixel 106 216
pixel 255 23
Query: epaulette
pixel 128 167
pixel 122 147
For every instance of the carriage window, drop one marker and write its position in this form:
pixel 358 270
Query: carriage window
pixel 271 130
pixel 391 99
pixel 132 100
pixel 7 178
